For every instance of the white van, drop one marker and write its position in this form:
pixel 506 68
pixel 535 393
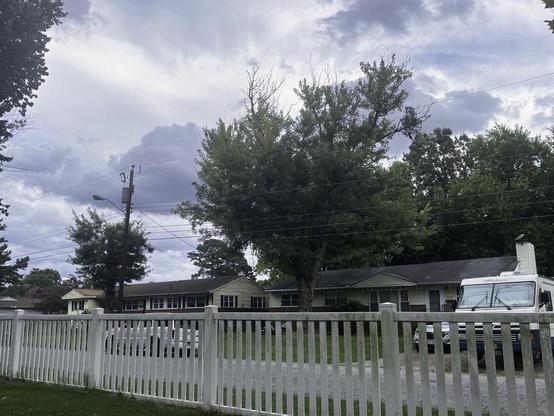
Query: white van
pixel 508 292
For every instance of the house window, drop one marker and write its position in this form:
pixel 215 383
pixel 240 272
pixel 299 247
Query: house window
pixel 289 299
pixel 373 301
pixel 77 305
pixel 434 300
pixel 335 297
pixel 229 301
pixel 173 303
pixel 257 302
pixel 389 296
pixel 196 301
pixel 132 305
pixel 404 301
pixel 157 303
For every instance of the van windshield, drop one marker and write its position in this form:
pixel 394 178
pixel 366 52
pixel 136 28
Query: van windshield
pixel 497 295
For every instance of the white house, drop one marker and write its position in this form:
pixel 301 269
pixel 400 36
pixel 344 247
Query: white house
pixel 413 287
pixel 83 300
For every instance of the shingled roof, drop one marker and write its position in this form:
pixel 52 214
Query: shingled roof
pixel 441 272
pixel 177 287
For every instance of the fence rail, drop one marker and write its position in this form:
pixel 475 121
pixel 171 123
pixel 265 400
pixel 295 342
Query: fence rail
pixel 360 363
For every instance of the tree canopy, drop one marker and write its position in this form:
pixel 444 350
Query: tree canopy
pixel 217 258
pixel 23 40
pixel 99 251
pixel 482 192
pixel 311 192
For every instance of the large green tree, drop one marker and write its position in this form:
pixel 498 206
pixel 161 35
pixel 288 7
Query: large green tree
pixel 216 258
pixel 99 251
pixel 497 185
pixel 308 192
pixel 23 40
pixel 549 4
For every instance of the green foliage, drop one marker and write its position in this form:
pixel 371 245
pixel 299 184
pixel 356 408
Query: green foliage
pixel 216 258
pixel 497 185
pixel 305 192
pixel 23 26
pixel 9 273
pixel 23 39
pixel 549 4
pixel 99 251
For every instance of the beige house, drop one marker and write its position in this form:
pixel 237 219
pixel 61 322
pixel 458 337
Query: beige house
pixel 228 293
pixel 412 287
pixel 83 300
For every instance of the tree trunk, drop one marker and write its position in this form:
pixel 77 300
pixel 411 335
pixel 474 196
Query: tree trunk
pixel 306 283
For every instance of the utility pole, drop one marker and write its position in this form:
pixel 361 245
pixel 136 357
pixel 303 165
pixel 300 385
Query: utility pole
pixel 127 198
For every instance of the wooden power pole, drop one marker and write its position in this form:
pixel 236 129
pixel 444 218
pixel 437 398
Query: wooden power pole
pixel 127 198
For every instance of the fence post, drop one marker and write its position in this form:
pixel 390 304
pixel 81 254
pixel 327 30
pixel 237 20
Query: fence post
pixel 15 344
pixel 391 359
pixel 95 346
pixel 209 355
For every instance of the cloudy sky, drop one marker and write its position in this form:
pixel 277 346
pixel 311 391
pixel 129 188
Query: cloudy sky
pixel 134 81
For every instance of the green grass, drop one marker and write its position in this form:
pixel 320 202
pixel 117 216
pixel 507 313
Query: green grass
pixel 30 399
pixel 317 348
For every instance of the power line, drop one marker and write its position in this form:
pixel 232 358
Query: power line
pixel 458 97
pixel 382 230
pixel 170 232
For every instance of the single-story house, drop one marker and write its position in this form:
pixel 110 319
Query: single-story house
pixel 29 305
pixel 83 300
pixel 412 287
pixel 228 293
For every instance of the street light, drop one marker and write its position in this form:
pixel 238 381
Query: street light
pixel 97 197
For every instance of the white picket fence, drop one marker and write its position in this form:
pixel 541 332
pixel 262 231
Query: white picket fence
pixel 293 363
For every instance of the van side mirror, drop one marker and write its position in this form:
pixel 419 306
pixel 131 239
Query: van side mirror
pixel 543 299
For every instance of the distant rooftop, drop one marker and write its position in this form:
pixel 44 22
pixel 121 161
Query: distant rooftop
pixel 441 272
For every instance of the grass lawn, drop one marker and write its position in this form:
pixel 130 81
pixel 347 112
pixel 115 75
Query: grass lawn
pixel 30 399
pixel 317 348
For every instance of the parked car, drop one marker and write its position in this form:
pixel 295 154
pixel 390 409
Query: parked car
pixel 445 337
pixel 156 338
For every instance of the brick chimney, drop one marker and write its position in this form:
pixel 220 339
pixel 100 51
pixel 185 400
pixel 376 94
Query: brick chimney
pixel 525 252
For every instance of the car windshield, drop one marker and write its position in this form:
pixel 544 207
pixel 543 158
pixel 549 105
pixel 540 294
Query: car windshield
pixel 497 295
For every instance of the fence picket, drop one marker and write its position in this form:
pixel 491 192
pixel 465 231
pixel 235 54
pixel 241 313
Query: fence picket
pixel 360 350
pixel 439 368
pixel 528 369
pixel 248 367
pixel 267 373
pixel 323 369
pixel 409 365
pixel 424 368
pixel 335 360
pixel 349 384
pixel 456 368
pixel 490 362
pixel 375 378
pixel 473 369
pixel 229 370
pixel 238 361
pixel 300 364
pixel 290 389
pixel 311 369
pixel 547 365
pixel 279 367
pixel 258 371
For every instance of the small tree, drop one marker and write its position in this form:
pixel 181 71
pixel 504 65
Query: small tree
pixel 9 273
pixel 216 258
pixel 100 248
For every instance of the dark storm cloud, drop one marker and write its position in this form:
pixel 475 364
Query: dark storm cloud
pixel 166 159
pixel 393 16
pixel 165 155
